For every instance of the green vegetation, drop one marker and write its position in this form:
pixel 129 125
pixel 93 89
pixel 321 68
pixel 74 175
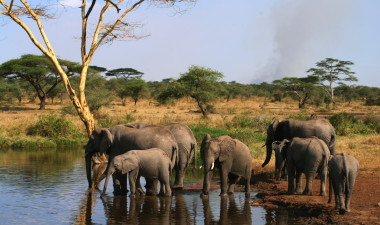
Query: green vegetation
pixel 346 124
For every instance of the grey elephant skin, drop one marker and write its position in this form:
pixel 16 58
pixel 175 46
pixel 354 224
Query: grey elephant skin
pixel 343 170
pixel 150 163
pixel 187 146
pixel 308 156
pixel 232 157
pixel 288 129
pixel 281 170
pixel 121 139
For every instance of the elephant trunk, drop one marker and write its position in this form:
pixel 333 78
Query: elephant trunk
pixel 88 169
pixel 208 171
pixel 269 153
pixel 109 173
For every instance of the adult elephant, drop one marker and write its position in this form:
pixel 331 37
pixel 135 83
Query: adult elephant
pixel 233 159
pixel 291 128
pixel 187 146
pixel 120 139
pixel 308 156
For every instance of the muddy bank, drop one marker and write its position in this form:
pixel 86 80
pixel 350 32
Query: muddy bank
pixel 365 202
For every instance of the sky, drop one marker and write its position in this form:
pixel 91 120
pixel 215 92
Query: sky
pixel 249 41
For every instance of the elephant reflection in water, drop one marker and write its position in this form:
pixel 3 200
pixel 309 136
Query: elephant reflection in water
pixel 231 214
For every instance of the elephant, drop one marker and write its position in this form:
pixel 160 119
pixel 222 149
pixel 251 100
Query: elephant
pixel 280 165
pixel 308 156
pixel 232 157
pixel 151 163
pixel 120 139
pixel 187 146
pixel 290 128
pixel 343 170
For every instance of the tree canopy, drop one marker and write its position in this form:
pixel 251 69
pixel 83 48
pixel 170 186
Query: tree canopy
pixel 332 71
pixel 39 71
pixel 201 84
pixel 124 73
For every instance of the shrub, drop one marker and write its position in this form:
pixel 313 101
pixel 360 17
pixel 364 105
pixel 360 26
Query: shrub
pixel 53 126
pixel 299 116
pixel 341 122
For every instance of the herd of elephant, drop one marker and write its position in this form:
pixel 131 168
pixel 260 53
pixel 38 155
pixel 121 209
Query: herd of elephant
pixel 300 147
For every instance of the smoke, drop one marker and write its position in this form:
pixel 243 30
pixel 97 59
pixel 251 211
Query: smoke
pixel 299 33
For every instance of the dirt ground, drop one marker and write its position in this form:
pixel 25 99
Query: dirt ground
pixel 365 201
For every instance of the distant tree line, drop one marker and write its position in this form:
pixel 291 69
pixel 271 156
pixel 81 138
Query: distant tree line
pixel 31 77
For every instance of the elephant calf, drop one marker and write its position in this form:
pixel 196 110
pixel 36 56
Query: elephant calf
pixel 280 165
pixel 343 170
pixel 151 163
pixel 308 156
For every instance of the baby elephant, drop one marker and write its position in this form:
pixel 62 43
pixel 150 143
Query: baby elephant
pixel 308 156
pixel 280 163
pixel 343 170
pixel 151 163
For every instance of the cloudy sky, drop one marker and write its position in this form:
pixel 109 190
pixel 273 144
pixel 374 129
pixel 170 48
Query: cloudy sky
pixel 249 41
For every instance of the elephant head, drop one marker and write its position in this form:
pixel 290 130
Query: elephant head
pixel 277 131
pixel 123 164
pixel 99 143
pixel 215 150
pixel 280 147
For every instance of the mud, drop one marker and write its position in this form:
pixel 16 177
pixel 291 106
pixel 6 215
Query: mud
pixel 365 201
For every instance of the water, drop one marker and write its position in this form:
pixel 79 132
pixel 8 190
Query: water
pixel 50 187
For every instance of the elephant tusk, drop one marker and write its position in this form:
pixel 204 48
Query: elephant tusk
pixel 212 166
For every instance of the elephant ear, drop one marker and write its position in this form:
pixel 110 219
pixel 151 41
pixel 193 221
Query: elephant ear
pixel 130 163
pixel 274 125
pixel 106 141
pixel 284 145
pixel 227 147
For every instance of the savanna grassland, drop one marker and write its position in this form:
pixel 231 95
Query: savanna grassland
pixel 246 120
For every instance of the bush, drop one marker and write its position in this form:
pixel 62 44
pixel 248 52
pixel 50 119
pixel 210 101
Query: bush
pixel 345 124
pixel 341 122
pixel 53 126
pixel 299 116
pixel 254 123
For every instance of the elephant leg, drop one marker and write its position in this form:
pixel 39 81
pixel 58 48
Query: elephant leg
pixel 223 181
pixel 348 192
pixel 340 193
pixel 232 181
pixel 151 187
pixel 291 172
pixel 168 190
pixel 309 183
pixel 323 175
pixel 133 176
pixel 116 184
pixel 138 186
pixel 298 181
pixel 179 176
pixel 248 184
pixel 123 184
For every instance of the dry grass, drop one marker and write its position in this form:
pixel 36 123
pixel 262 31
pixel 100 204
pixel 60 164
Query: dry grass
pixel 14 121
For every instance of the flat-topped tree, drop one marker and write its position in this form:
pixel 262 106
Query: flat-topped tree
pixel 39 71
pixel 92 37
pixel 330 71
pixel 124 73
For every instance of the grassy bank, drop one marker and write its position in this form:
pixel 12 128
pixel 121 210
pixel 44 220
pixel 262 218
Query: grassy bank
pixel 357 125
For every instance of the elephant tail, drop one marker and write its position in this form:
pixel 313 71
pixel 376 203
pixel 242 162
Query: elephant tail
pixel 332 146
pixel 345 172
pixel 174 159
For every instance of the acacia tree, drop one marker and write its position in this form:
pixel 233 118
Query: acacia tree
pixel 301 87
pixel 119 28
pixel 124 73
pixel 39 72
pixel 331 71
pixel 136 88
pixel 201 84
